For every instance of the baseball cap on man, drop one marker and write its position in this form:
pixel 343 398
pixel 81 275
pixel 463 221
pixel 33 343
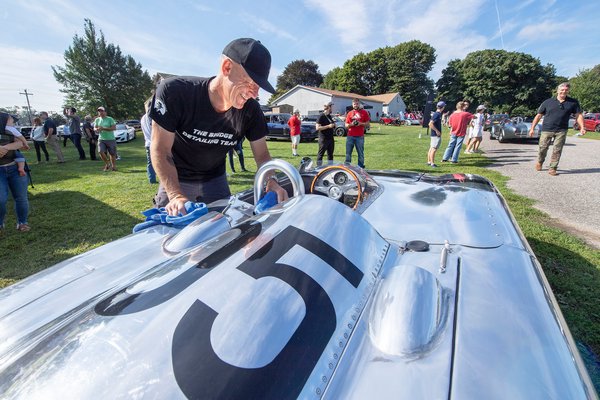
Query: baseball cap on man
pixel 254 57
pixel 101 109
pixel 441 104
pixel 328 104
pixel 480 107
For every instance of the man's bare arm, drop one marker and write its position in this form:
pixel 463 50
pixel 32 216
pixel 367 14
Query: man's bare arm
pixel 261 156
pixel 162 161
pixel 536 119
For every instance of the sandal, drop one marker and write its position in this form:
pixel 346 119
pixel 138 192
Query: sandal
pixel 23 228
pixel 106 168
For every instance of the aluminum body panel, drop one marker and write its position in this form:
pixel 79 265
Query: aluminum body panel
pixel 470 216
pixel 144 339
pixel 309 299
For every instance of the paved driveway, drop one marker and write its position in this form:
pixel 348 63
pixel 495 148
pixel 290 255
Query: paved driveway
pixel 572 198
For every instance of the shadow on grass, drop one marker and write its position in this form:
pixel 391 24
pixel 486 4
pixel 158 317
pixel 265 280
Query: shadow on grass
pixel 574 280
pixel 64 224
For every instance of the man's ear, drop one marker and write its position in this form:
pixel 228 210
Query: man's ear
pixel 226 66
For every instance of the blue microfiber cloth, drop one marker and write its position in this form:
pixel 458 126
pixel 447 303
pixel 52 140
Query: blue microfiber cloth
pixel 266 202
pixel 158 216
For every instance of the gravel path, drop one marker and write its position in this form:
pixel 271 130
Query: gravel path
pixel 572 198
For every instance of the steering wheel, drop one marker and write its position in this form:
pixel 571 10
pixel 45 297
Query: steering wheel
pixel 283 166
pixel 333 182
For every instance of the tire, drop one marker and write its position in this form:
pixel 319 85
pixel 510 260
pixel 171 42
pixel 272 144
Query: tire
pixel 339 131
pixel 501 138
pixel 597 128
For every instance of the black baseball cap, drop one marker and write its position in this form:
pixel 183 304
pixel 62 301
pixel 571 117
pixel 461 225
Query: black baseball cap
pixel 254 57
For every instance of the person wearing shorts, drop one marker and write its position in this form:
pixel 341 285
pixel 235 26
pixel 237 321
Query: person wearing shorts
pixel 294 124
pixel 435 124
pixel 476 131
pixel 107 145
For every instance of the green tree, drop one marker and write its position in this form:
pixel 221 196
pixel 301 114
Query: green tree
pixel 402 69
pixel 408 66
pixel 585 87
pixel 502 80
pixel 333 79
pixel 97 73
pixel 450 85
pixel 298 72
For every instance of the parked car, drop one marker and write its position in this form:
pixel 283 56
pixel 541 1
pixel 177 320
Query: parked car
pixel 279 129
pixel 124 133
pixel 342 292
pixel 412 121
pixel 389 120
pixel 340 125
pixel 591 122
pixel 514 128
pixel 494 119
pixel 26 131
pixel 134 123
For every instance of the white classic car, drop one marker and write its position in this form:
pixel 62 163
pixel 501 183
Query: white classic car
pixel 364 285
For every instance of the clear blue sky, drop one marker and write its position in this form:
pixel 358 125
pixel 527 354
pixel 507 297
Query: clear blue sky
pixel 186 37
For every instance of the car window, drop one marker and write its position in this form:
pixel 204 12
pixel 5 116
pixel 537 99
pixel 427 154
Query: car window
pixel 121 127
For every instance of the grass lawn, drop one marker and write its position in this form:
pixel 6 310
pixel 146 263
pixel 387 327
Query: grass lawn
pixel 75 207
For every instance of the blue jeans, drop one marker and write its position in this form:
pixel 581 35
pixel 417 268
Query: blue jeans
pixel 149 167
pixel 453 148
pixel 10 179
pixel 359 143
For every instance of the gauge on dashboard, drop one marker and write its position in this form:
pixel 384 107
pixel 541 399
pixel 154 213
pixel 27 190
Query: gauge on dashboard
pixel 340 178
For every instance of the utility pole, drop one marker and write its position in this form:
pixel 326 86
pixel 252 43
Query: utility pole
pixel 28 105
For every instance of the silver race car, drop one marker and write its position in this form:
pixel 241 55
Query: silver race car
pixel 515 128
pixel 363 285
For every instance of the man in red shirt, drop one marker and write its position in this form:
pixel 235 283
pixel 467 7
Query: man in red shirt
pixel 357 120
pixel 459 122
pixel 294 123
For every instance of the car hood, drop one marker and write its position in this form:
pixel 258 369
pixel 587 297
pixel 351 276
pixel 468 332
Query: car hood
pixel 309 299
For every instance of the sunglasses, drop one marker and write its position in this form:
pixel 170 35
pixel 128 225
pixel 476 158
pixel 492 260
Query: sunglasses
pixel 99 110
pixel 562 107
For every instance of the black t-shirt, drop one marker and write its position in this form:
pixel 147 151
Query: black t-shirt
pixel 202 136
pixel 325 120
pixel 557 114
pixel 49 123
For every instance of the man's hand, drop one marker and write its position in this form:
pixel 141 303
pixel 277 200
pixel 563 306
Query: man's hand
pixel 582 130
pixel 273 186
pixel 3 151
pixel 531 131
pixel 176 205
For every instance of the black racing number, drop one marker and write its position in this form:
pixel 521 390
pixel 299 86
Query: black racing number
pixel 201 374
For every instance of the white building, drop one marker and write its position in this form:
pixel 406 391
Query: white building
pixel 393 104
pixel 310 100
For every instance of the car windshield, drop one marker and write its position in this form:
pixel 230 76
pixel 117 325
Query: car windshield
pixel 121 127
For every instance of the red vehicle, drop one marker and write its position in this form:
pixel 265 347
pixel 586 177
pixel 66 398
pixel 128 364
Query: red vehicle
pixel 591 122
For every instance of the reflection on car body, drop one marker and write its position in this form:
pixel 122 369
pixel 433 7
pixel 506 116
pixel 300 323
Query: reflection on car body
pixel 341 292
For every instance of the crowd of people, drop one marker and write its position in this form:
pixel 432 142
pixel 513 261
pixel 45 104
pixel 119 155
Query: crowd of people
pixel 192 124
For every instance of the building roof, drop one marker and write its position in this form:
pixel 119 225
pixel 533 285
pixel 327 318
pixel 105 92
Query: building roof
pixel 329 92
pixel 385 98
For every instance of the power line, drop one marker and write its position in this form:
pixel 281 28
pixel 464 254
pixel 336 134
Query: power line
pixel 28 105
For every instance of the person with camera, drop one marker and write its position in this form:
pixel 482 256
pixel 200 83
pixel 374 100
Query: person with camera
pixel 75 129
pixel 325 126
pixel 357 121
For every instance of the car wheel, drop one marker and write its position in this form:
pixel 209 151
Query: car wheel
pixel 501 137
pixel 339 131
pixel 597 128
